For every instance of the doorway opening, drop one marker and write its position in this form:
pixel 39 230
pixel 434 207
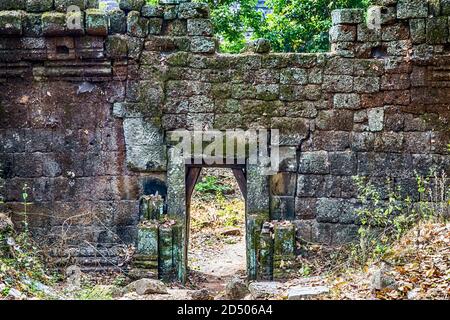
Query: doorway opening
pixel 216 224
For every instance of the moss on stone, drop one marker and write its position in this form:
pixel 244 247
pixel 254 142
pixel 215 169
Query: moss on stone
pixel 178 59
pixel 137 26
pixel 130 5
pixel 11 23
pixel 117 46
pixel 155 25
pixel 32 26
pixel 63 5
pixel 284 240
pixel 437 30
pixel 53 23
pixel 96 22
pixel 117 21
pixel 39 5
pixel 12 5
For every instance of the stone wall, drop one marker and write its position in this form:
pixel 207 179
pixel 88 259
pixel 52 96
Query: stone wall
pixel 85 113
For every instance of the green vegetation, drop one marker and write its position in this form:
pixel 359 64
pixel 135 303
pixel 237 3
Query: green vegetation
pixel 21 264
pixel 292 25
pixel 217 204
pixel 212 185
pixel 386 216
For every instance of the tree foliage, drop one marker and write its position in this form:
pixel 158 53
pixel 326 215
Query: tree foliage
pixel 291 25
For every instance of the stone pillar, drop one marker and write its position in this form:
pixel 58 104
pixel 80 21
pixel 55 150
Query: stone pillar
pixel 176 209
pixel 165 259
pixel 145 261
pixel 265 253
pixel 284 249
pixel 257 211
pixel 253 226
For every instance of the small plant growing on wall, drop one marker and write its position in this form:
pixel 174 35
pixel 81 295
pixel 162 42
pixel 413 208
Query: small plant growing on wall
pixel 386 217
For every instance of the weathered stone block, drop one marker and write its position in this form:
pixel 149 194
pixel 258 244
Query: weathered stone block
pixel 31 25
pixel 340 187
pixel 437 30
pixel 96 22
pixel 384 164
pixel 284 241
pixel 155 25
pixel 63 5
pixel 265 254
pixel 347 101
pixel 11 23
pixel 259 46
pixel 417 142
pixel 336 211
pixel 294 76
pixel 170 12
pixel 326 120
pixel 267 91
pixel 445 7
pixel 292 130
pixel 258 191
pixel 12 4
pixel 304 109
pixel 131 5
pixel 117 46
pixel 399 48
pixel 199 27
pixel 412 9
pixel 282 208
pixel 327 141
pixel 395 82
pixel 314 163
pixel 335 83
pixel 147 157
pixel 147 243
pixel 291 92
pixel 288 159
pixel 366 34
pixel 418 30
pixel 389 142
pixel 39 5
pixel 151 11
pixel 117 21
pixel 347 16
pixel 175 28
pixel 191 10
pixel 382 14
pixel 137 26
pixel 310 186
pixel 343 33
pixel 366 84
pixel 165 258
pixel 54 24
pixel 203 45
pixel 283 184
pixel 376 119
pixel 343 163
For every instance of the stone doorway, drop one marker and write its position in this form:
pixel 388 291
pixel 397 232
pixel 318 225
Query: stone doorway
pixel 181 180
pixel 216 243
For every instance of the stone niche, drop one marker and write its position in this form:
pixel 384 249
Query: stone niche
pixel 86 114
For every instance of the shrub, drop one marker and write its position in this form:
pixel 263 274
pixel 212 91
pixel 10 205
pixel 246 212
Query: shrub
pixel 211 184
pixel 386 218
